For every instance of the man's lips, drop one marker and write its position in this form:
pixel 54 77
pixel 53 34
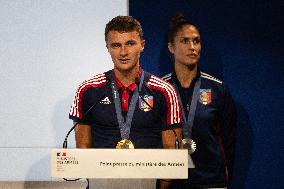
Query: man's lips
pixel 124 60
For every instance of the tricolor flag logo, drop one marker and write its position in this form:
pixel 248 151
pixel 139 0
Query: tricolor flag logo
pixel 145 106
pixel 205 96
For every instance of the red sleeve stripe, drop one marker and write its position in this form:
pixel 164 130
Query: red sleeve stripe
pixel 76 107
pixel 173 113
pixel 96 78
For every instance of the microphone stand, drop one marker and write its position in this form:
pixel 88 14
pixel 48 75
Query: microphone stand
pixel 65 144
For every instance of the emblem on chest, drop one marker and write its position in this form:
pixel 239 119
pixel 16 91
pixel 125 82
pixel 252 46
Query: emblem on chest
pixel 146 104
pixel 205 96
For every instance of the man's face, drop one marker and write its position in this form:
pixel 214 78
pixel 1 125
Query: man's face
pixel 125 49
pixel 187 46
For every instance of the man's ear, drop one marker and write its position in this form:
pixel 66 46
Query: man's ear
pixel 142 45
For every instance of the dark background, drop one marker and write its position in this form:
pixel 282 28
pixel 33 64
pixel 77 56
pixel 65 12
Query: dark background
pixel 242 44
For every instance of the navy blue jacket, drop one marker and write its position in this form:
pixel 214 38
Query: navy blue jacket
pixel 146 126
pixel 213 131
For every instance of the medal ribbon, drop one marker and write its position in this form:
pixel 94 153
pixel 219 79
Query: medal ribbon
pixel 188 123
pixel 125 126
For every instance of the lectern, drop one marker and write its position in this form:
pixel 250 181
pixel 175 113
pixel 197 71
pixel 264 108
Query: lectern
pixel 120 163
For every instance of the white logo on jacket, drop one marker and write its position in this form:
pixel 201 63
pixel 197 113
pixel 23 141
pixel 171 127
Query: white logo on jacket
pixel 105 101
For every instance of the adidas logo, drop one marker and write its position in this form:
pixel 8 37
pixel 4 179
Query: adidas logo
pixel 105 101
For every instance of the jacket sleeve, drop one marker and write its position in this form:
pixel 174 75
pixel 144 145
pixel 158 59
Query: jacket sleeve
pixel 228 128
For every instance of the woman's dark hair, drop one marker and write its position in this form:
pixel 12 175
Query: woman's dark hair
pixel 177 22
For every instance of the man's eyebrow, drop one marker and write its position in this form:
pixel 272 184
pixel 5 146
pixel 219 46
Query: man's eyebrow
pixel 131 40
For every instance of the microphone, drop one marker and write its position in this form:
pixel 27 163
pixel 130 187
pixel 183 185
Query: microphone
pixel 137 81
pixel 87 112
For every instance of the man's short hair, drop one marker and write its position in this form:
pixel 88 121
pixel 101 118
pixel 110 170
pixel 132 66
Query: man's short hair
pixel 123 24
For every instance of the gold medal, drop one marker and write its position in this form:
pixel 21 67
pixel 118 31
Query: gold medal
pixel 189 144
pixel 124 144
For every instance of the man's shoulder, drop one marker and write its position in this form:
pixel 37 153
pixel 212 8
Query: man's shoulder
pixel 157 83
pixel 95 81
pixel 168 77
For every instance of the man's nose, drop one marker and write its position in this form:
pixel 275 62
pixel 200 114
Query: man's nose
pixel 123 50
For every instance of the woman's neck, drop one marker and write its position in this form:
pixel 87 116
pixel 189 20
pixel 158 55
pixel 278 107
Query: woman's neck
pixel 185 74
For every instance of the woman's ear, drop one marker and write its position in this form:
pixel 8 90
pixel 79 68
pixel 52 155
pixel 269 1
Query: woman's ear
pixel 171 48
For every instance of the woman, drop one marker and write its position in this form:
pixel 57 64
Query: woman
pixel 209 114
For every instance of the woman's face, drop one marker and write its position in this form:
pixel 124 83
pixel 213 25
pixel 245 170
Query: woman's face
pixel 186 47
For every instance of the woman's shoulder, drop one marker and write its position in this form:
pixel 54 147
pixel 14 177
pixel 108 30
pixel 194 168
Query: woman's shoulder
pixel 209 78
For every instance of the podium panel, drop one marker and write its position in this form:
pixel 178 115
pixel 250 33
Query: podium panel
pixel 122 163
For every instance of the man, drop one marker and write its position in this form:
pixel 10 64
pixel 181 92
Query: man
pixel 126 107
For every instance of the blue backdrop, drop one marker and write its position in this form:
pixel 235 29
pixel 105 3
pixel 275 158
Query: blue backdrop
pixel 242 44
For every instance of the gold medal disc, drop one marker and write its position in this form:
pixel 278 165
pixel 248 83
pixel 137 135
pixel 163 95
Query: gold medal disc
pixel 189 144
pixel 124 144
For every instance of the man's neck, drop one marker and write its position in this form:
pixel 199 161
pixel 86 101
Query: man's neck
pixel 185 74
pixel 127 77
